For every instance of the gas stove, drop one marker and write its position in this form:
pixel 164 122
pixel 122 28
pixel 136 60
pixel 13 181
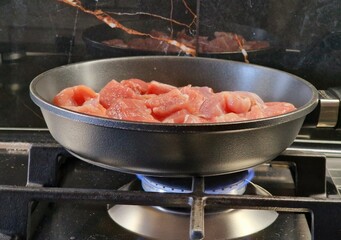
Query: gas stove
pixel 44 190
pixel 47 193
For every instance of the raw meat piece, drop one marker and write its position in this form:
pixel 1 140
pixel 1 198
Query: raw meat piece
pixel 254 98
pixel 155 87
pixel 91 107
pixel 213 106
pixel 74 96
pixel 136 100
pixel 255 112
pixel 165 104
pixel 80 99
pixel 205 91
pixel 196 97
pixel 277 108
pixel 229 117
pixel 137 85
pixel 130 109
pixel 183 116
pixel 236 103
pixel 114 90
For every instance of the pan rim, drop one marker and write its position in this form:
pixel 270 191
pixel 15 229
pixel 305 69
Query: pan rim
pixel 171 127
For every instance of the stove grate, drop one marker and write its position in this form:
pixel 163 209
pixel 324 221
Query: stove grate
pixel 17 203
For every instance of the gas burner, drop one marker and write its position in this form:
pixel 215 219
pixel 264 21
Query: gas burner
pixel 153 223
pixel 163 223
pixel 234 183
pixel 174 223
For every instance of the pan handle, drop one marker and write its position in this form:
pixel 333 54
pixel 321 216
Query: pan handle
pixel 327 114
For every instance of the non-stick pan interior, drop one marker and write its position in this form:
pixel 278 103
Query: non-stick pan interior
pixel 221 75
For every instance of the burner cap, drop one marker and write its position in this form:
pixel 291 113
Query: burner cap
pixel 223 184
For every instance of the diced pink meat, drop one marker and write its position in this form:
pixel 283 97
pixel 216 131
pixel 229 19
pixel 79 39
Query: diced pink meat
pixel 137 85
pixel 165 104
pixel 91 107
pixel 229 117
pixel 236 103
pixel 213 106
pixel 183 116
pixel 130 109
pixel 204 91
pixel 136 100
pixel 277 108
pixel 255 112
pixel 155 87
pixel 74 96
pixel 196 97
pixel 254 98
pixel 114 90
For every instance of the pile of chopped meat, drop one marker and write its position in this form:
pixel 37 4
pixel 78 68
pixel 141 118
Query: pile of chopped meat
pixel 220 42
pixel 137 100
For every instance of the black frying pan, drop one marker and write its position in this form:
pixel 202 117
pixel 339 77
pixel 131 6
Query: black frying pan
pixel 175 149
pixel 95 35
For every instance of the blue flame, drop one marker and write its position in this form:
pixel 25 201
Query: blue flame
pixel 237 187
pixel 249 177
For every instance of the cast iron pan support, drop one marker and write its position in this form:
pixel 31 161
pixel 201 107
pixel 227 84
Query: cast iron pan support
pixel 324 211
pixel 197 203
pixel 16 206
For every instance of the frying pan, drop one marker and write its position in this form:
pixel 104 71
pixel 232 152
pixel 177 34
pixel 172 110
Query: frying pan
pixel 175 149
pixel 95 35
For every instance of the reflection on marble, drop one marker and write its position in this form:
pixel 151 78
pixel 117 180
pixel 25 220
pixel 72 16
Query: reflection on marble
pixel 307 36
